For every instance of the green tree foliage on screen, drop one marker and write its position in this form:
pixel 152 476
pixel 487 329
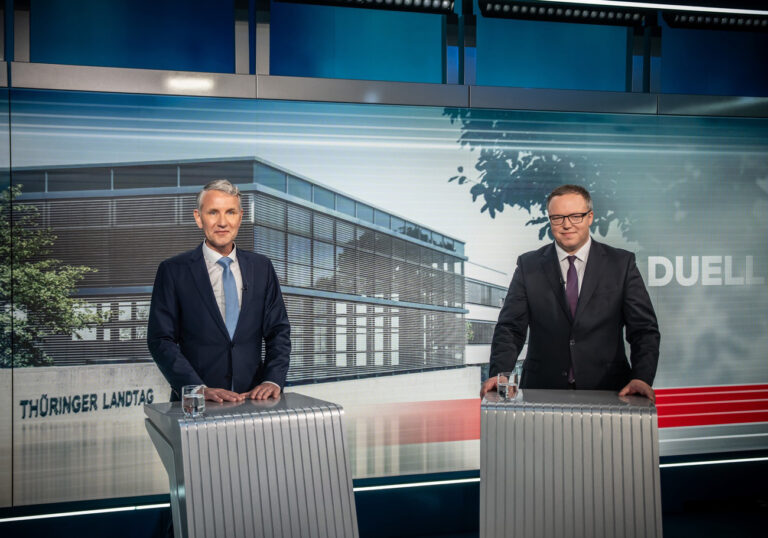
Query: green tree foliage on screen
pixel 35 290
pixel 518 177
pixel 678 181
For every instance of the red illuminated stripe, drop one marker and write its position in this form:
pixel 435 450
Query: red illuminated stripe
pixel 711 396
pixel 705 406
pixel 712 419
pixel 419 422
pixel 459 420
pixel 718 388
pixel 711 407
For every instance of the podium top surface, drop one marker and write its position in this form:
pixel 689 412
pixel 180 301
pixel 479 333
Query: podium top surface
pixel 168 413
pixel 543 398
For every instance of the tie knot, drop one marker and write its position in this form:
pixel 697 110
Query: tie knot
pixel 571 259
pixel 224 262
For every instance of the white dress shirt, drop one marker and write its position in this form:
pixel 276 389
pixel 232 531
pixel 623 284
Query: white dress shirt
pixel 580 262
pixel 215 273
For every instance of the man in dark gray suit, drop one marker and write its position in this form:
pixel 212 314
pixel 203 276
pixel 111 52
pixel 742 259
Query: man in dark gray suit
pixel 576 298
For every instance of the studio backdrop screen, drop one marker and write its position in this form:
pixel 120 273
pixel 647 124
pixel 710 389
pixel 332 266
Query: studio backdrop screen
pixel 394 232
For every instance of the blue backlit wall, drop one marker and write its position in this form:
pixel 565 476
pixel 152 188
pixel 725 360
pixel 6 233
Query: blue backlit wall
pixel 350 43
pixel 194 35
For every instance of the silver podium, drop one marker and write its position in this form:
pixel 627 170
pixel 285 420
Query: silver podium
pixel 569 463
pixel 256 468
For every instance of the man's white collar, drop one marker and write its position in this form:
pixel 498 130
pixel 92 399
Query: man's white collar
pixel 213 256
pixel 580 254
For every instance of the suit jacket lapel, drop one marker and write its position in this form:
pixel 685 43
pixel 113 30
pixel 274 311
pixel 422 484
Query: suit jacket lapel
pixel 246 273
pixel 551 268
pixel 592 273
pixel 203 281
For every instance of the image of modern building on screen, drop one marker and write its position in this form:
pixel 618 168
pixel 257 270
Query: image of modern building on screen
pixel 368 292
pixel 485 290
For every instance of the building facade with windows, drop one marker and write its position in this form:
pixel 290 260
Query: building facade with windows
pixel 485 290
pixel 367 292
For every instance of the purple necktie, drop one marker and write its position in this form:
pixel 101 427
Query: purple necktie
pixel 572 285
pixel 572 294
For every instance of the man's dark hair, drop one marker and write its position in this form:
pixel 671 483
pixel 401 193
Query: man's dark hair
pixel 571 189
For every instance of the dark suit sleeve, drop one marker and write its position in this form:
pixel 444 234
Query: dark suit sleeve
pixel 642 329
pixel 512 327
pixel 163 332
pixel 277 333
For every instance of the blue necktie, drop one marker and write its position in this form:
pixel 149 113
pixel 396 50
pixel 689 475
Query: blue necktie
pixel 231 302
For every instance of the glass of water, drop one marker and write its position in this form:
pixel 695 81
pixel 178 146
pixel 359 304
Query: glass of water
pixel 192 400
pixel 507 383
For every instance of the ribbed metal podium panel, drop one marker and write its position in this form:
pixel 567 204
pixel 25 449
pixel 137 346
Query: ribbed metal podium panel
pixel 569 463
pixel 273 469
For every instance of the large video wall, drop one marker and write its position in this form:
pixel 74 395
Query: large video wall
pixel 390 229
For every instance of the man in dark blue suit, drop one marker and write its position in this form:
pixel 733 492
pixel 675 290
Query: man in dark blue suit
pixel 576 300
pixel 213 306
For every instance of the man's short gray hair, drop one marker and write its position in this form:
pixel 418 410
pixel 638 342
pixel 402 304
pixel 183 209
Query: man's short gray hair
pixel 222 185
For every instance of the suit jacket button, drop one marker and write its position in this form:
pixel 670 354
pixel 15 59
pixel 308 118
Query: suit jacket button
pixel 564 373
pixel 572 343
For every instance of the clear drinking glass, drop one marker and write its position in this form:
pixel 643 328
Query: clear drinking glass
pixel 507 383
pixel 192 400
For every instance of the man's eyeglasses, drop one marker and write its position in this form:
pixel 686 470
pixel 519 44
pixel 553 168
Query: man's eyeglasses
pixel 575 218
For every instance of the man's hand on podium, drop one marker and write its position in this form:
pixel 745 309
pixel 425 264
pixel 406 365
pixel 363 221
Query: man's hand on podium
pixel 638 386
pixel 265 391
pixel 221 395
pixel 488 385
